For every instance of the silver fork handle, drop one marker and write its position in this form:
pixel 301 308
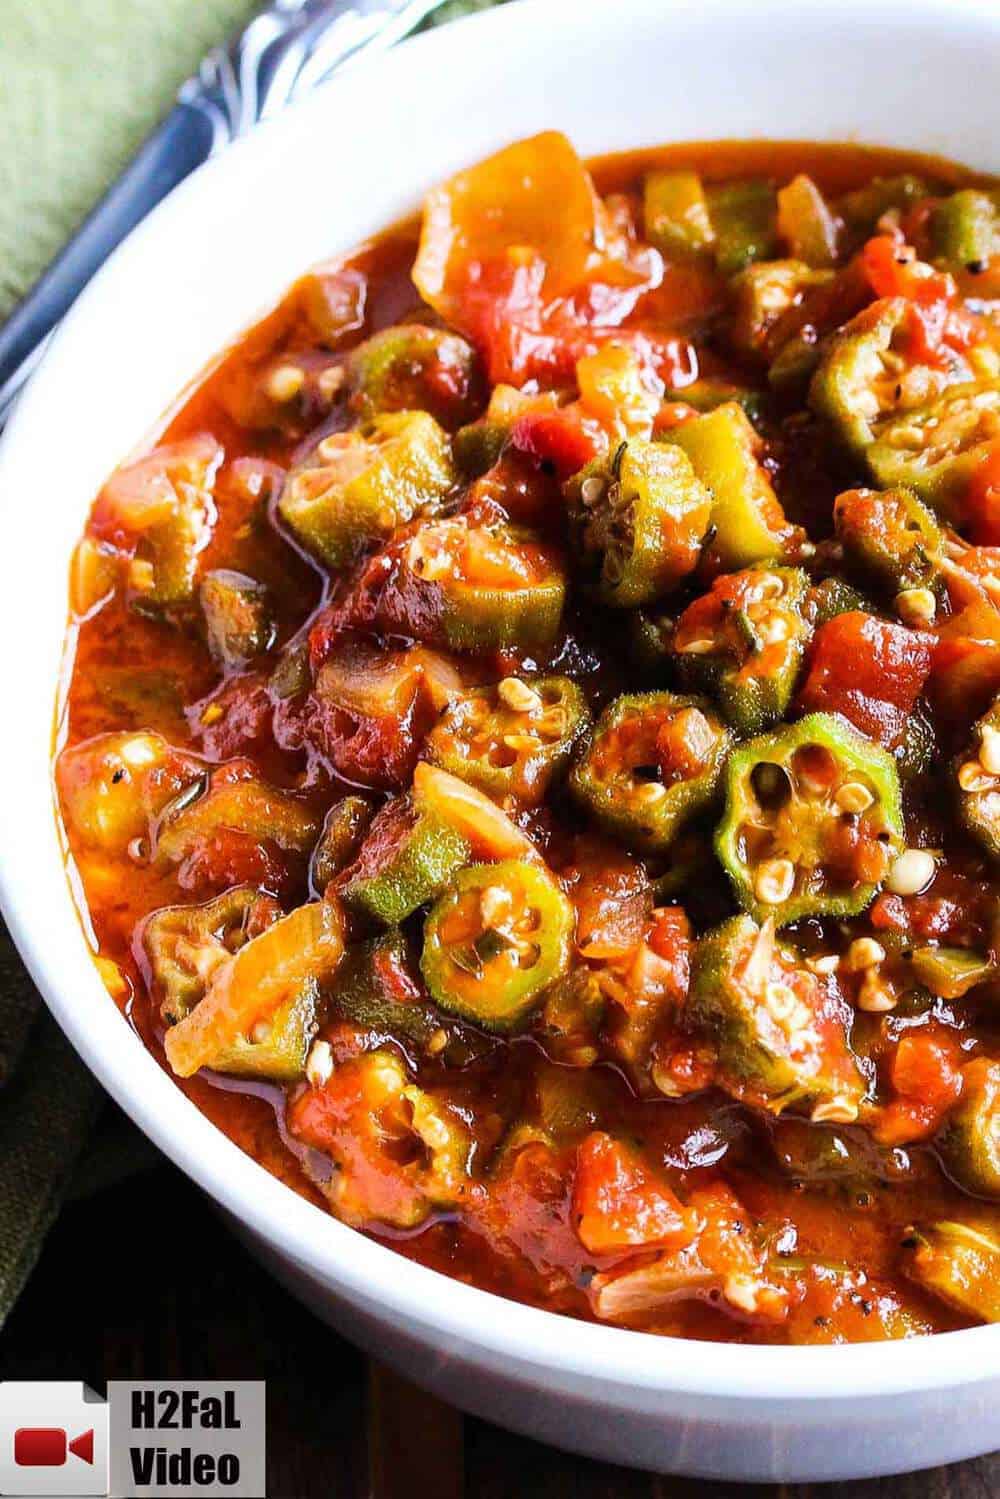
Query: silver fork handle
pixel 283 53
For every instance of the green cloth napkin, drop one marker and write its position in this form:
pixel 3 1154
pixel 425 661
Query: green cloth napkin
pixel 82 85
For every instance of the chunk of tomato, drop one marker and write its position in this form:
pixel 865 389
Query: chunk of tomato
pixel 870 671
pixel 619 1203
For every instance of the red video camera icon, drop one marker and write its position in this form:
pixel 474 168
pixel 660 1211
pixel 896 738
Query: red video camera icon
pixel 47 1446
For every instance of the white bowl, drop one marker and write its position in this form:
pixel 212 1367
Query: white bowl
pixel 923 74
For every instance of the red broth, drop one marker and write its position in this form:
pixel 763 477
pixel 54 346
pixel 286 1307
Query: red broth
pixel 601 1137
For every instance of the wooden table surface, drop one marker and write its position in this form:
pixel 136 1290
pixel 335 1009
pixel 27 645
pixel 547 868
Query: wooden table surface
pixel 143 1279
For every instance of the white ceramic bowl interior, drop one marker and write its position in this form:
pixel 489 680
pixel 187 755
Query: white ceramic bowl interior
pixel 923 74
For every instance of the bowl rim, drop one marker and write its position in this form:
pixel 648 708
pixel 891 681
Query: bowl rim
pixel 432 1305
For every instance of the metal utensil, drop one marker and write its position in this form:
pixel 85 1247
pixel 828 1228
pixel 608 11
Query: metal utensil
pixel 285 51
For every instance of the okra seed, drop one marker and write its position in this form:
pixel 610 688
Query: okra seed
pixel 330 381
pixel 781 1000
pixel 835 1111
pixel 701 647
pixel 517 695
pixel 285 382
pixel 591 490
pixel 972 777
pixel 649 793
pixel 774 881
pixel 437 1042
pixel 916 606
pixel 989 749
pixel 494 904
pixel 865 952
pixel 319 1064
pixel 741 1291
pixel 261 1031
pixel 912 872
pixel 873 996
pixel 854 797
pixel 827 964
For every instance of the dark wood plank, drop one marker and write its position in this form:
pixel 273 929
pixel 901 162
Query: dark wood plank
pixel 415 1442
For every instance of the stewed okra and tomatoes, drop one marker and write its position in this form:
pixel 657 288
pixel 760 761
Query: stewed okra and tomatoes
pixel 532 753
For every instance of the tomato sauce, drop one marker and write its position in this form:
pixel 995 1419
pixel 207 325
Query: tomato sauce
pixel 826 1206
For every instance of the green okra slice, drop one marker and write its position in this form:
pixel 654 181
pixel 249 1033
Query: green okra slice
pixel 813 820
pixel 495 941
pixel 806 223
pixel 890 538
pixel 977 782
pixel 862 208
pixel 344 827
pixel 411 367
pixel 409 855
pixel 748 523
pixel 779 1031
pixel 744 217
pixel 743 641
pixel 378 988
pixel 762 294
pixel 654 761
pixel 186 946
pixel 675 215
pixel 239 621
pixel 965 228
pixel 857 384
pixel 969 1144
pixel 511 739
pixel 935 449
pixel 360 485
pixel 640 520
pixel 958 1261
pixel 486 586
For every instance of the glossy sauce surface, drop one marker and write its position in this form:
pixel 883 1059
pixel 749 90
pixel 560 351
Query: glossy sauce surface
pixel 832 1230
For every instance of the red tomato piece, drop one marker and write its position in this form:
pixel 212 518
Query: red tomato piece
pixel 982 501
pixel 870 671
pixel 927 1080
pixel 618 1203
pixel 562 436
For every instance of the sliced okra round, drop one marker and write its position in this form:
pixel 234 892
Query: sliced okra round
pixel 413 367
pixel 977 782
pixel 890 537
pixel 485 587
pixel 511 739
pixel 780 1036
pixel 747 521
pixel 408 856
pixel 958 1261
pixel 935 448
pixel 813 820
pixel 344 827
pixel 965 228
pixel 495 942
pixel 871 372
pixel 640 521
pixel 358 486
pixel 969 1144
pixel 743 641
pixel 184 945
pixel 239 621
pixel 653 762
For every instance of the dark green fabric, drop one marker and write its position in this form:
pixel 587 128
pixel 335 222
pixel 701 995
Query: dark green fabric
pixel 82 85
